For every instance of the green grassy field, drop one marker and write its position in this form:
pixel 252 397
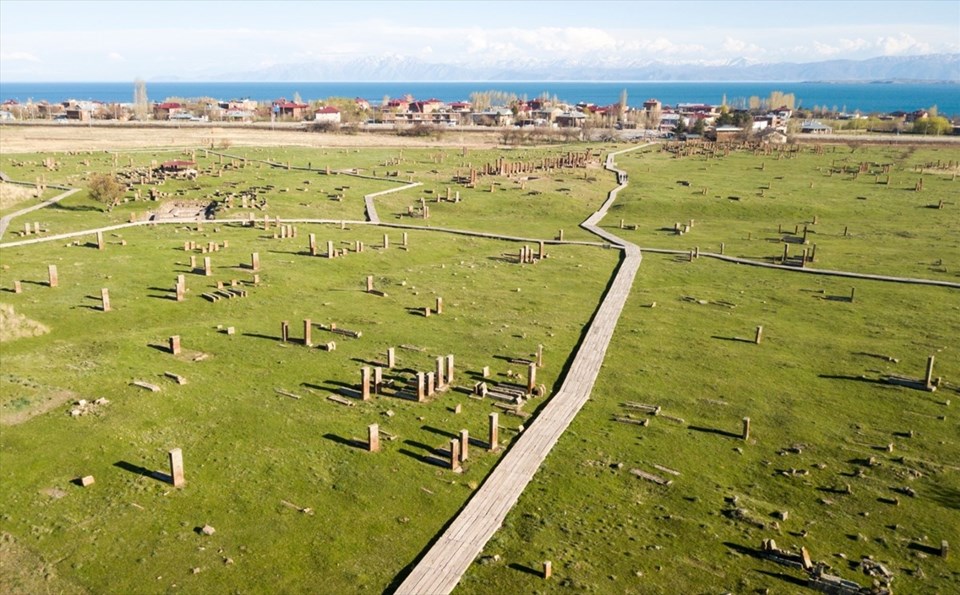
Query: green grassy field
pixel 255 458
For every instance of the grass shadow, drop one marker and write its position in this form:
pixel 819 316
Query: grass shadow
pixel 439 432
pixel 784 577
pixel 736 339
pixel 945 496
pixel 525 569
pixel 856 378
pixel 259 336
pixel 158 475
pixel 715 431
pixel 346 441
pixel 429 460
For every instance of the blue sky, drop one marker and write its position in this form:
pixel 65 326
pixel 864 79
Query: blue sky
pixel 118 41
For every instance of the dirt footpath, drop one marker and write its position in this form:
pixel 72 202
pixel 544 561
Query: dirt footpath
pixel 78 137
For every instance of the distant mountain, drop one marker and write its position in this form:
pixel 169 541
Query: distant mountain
pixel 933 67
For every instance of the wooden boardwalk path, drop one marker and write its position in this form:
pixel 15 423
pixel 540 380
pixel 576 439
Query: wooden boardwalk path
pixel 441 567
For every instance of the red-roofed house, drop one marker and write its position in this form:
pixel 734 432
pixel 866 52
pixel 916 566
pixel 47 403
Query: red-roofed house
pixel 362 104
pixel 327 114
pixel 163 111
pixel 288 109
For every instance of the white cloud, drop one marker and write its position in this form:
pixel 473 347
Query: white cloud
pixel 902 44
pixel 740 47
pixel 115 57
pixel 18 57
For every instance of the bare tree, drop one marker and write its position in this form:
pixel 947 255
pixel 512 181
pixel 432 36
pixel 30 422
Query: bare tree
pixel 106 189
pixel 141 105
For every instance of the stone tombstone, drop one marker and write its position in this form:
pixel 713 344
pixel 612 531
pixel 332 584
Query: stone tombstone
pixel 746 428
pixel 455 455
pixel 373 438
pixel 426 311
pixel 464 444
pixel 547 569
pixel 100 244
pixel 485 371
pixel 759 336
pixel 284 331
pixel 450 369
pixel 193 263
pixel 307 328
pixel 105 299
pixel 86 481
pixel 53 279
pixel 377 380
pixel 541 253
pixel 369 283
pixel 17 287
pixel 439 307
pixel 531 376
pixel 391 357
pixel 540 355
pixel 330 252
pixel 405 244
pixel 431 386
pixel 386 241
pixel 174 342
pixel 421 388
pixel 207 267
pixel 255 261
pixel 176 468
pixel 313 244
pixel 928 376
pixel 493 440
pixel 441 382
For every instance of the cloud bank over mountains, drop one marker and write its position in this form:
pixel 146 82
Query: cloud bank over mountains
pixel 936 67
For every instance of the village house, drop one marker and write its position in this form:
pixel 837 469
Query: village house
pixel 167 109
pixel 724 133
pixel 571 120
pixel 815 127
pixel 289 110
pixel 327 114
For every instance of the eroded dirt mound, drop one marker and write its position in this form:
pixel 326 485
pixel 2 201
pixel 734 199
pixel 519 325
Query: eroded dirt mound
pixel 16 326
pixel 11 194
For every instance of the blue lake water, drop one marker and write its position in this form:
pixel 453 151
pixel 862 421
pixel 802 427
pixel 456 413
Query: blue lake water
pixel 865 97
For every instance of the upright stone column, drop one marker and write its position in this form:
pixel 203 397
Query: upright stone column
pixel 284 331
pixel 439 305
pixel 105 299
pixel 464 444
pixel 207 267
pixel 391 358
pixel 440 376
pixel 759 335
pixel 373 438
pixel 369 283
pixel 746 428
pixel 175 345
pixel 377 380
pixel 531 376
pixel 493 441
pixel 455 455
pixel 255 261
pixel 176 468
pixel 540 356
pixel 928 378
pixel 450 369
pixel 330 253
pixel 421 387
pixel 386 241
pixel 365 383
pixel 307 329
pixel 100 244
pixel 53 279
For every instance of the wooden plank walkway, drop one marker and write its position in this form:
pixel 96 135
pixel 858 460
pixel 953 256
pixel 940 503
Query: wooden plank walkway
pixel 441 567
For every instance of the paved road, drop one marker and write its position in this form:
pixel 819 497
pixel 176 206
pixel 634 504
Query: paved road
pixel 441 567
pixel 5 221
